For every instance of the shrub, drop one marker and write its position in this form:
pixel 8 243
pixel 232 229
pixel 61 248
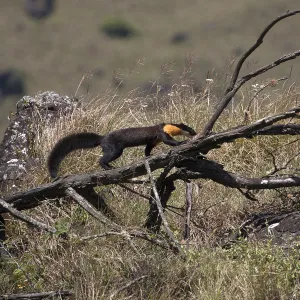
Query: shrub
pixel 11 82
pixel 117 28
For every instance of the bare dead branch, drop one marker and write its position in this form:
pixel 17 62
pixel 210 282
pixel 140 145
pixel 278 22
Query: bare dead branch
pixel 247 130
pixel 43 295
pixel 236 84
pixel 228 97
pixel 27 219
pixel 33 197
pixel 90 209
pixel 255 46
pixel 277 129
pixel 165 189
pixel 210 170
pixel 266 68
pixel 119 231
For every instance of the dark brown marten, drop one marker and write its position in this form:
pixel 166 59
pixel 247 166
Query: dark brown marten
pixel 115 142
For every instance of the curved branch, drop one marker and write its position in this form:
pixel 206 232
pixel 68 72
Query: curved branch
pixel 32 198
pixel 207 169
pixel 255 46
pixel 227 98
pixel 234 86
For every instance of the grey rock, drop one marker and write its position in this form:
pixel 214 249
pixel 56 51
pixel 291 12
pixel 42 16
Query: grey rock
pixel 281 228
pixel 15 157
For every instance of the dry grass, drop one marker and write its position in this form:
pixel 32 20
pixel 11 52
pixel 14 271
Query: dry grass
pixel 54 53
pixel 97 268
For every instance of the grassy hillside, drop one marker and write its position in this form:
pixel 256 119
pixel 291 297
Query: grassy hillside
pixel 54 54
pixel 97 267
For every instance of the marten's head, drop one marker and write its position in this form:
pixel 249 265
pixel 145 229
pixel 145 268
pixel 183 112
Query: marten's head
pixel 179 129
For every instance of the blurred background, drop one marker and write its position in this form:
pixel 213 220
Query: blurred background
pixel 129 44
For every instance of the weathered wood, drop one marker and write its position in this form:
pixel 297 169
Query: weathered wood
pixel 27 219
pixel 43 295
pixel 235 83
pixel 33 198
pixel 188 210
pixel 90 209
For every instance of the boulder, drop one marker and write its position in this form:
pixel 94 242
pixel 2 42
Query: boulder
pixel 15 158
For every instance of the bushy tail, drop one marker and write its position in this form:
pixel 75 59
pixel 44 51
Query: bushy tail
pixel 68 144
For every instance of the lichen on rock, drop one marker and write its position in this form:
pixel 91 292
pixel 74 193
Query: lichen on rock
pixel 15 157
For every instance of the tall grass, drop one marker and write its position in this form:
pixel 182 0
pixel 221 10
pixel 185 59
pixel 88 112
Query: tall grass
pixel 99 267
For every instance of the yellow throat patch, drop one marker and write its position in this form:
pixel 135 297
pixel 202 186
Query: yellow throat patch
pixel 172 130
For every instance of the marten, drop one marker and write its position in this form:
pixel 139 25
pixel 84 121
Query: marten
pixel 115 142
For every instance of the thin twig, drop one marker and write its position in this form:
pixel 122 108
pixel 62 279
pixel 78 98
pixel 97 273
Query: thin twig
pixel 248 195
pixel 255 46
pixel 270 83
pixel 128 284
pixel 15 261
pixel 133 191
pixel 133 233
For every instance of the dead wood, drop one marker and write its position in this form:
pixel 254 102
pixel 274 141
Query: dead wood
pixel 34 197
pixel 42 295
pixel 235 83
pixel 188 158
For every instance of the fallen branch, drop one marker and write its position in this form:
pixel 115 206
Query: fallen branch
pixel 118 229
pixel 210 170
pixel 43 295
pixel 27 219
pixel 33 198
pixel 90 209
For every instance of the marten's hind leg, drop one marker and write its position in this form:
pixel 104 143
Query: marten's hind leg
pixel 148 149
pixel 109 154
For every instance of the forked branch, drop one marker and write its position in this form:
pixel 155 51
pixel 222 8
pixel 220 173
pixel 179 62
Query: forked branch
pixel 255 46
pixel 34 197
pixel 236 84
